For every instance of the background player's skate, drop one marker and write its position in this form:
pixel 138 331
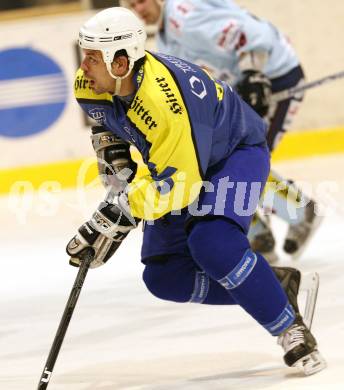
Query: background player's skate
pixel 261 237
pixel 283 199
pixel 299 234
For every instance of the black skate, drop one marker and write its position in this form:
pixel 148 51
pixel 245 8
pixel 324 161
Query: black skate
pixel 299 344
pixel 290 279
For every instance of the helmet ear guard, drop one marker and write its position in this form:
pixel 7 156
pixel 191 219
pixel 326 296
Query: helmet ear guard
pixel 111 30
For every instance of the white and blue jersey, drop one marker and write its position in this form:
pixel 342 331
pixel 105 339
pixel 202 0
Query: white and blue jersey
pixel 215 33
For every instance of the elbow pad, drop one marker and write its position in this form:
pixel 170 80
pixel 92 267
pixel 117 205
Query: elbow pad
pixel 113 156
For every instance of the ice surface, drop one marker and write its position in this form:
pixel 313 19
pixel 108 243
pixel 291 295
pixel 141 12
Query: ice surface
pixel 121 337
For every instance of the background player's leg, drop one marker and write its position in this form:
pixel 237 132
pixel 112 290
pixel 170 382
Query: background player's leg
pixel 261 237
pixel 298 210
pixel 290 203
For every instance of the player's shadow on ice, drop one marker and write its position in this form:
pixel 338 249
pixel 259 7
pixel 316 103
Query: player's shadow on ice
pixel 250 378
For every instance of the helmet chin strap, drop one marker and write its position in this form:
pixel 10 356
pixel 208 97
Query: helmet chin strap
pixel 118 86
pixel 118 78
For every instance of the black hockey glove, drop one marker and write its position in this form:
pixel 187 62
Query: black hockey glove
pixel 255 89
pixel 104 232
pixel 115 165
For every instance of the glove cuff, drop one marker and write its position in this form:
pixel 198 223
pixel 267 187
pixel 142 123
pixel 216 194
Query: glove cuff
pixel 114 219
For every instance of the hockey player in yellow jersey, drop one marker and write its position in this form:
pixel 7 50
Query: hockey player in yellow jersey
pixel 207 158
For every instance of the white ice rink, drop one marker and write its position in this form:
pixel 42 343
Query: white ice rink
pixel 121 337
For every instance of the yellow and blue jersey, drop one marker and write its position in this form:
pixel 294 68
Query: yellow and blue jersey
pixel 182 121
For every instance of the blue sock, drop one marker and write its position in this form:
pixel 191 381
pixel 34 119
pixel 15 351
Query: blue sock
pixel 222 250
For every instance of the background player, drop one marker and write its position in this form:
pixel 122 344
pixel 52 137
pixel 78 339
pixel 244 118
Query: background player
pixel 257 59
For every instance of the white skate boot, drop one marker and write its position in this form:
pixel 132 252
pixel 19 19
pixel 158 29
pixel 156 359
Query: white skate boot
pixel 300 347
pixel 299 344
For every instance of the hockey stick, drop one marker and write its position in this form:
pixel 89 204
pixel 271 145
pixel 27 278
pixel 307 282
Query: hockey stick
pixel 283 95
pixel 66 317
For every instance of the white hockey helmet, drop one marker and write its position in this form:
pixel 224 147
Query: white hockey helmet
pixel 114 29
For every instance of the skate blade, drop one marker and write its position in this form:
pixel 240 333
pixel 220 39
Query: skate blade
pixel 311 364
pixel 309 286
pixel 317 222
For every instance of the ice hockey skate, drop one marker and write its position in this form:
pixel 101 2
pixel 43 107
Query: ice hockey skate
pixel 300 346
pixel 299 235
pixel 264 241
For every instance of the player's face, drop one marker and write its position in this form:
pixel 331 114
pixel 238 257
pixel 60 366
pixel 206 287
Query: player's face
pixel 96 72
pixel 148 10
